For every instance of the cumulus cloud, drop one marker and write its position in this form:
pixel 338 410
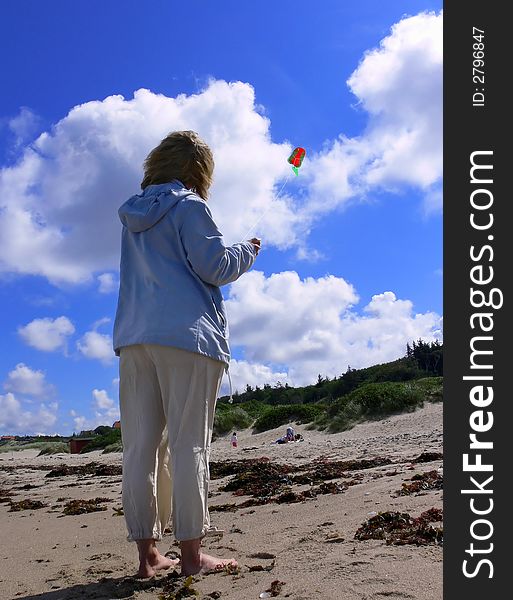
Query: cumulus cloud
pixel 107 283
pixel 243 373
pixel 399 85
pixel 47 334
pixel 105 412
pixel 308 327
pixel 68 184
pixel 24 125
pixel 16 420
pixel 96 346
pixel 102 402
pixel 24 380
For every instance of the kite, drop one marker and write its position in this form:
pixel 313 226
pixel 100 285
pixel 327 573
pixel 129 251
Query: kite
pixel 296 159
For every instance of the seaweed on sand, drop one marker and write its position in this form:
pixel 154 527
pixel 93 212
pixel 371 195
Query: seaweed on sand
pixel 5 495
pixel 223 507
pixel 91 468
pixel 431 480
pixel 324 470
pixel 11 468
pixel 79 507
pixel 262 479
pixel 428 457
pixel 174 590
pixel 259 479
pixel 26 505
pixel 400 528
pixel 275 588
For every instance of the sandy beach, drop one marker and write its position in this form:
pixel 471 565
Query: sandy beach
pixel 308 546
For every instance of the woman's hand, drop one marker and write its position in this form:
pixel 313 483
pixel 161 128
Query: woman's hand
pixel 256 242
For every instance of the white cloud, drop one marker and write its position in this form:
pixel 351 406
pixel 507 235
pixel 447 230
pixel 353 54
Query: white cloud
pixel 70 182
pixel 284 319
pixel 24 380
pixel 108 283
pixel 100 322
pixel 39 300
pixel 433 200
pixel 399 85
pixel 105 410
pixel 24 125
pixel 243 373
pixel 309 327
pixel 102 400
pixel 47 334
pixel 96 346
pixel 115 381
pixel 15 420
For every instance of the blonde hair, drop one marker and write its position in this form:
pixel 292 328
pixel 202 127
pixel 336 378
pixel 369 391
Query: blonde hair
pixel 181 155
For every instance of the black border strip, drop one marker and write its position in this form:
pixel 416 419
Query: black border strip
pixel 477 253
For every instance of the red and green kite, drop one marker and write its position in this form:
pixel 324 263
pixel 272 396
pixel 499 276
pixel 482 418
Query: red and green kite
pixel 296 159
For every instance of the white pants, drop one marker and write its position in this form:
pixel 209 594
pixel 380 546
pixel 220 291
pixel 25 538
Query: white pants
pixel 167 399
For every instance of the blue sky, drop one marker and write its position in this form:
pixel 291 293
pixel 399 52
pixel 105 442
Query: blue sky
pixel 351 266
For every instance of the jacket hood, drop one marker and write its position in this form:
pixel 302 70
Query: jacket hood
pixel 143 211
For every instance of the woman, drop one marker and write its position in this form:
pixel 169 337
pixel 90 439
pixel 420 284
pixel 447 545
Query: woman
pixel 171 335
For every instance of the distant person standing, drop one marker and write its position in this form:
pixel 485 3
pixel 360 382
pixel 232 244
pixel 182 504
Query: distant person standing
pixel 234 439
pixel 171 335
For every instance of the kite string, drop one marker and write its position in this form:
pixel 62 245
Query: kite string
pixel 267 210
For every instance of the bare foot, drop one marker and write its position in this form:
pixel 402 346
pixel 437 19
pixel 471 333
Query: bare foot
pixel 206 564
pixel 155 562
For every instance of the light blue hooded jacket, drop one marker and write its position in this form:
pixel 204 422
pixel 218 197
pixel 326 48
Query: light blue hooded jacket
pixel 173 262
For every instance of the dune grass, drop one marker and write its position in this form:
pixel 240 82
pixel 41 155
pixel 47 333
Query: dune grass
pixel 16 446
pixel 54 448
pixel 276 416
pixel 373 401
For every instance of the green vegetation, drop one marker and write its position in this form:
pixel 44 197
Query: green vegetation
pixel 339 403
pixel 292 413
pixel 115 447
pixel 230 418
pixel 112 436
pixel 378 400
pixel 54 448
pixel 422 360
pixel 33 439
pixel 15 445
pixel 432 388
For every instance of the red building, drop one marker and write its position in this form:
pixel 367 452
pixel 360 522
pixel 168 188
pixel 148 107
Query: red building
pixel 76 444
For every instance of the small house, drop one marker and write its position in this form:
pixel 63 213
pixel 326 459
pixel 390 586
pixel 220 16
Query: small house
pixel 76 444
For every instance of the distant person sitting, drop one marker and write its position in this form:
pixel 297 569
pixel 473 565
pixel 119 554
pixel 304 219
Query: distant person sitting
pixel 288 437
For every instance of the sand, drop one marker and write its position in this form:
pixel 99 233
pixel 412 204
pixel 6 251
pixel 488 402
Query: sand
pixel 47 555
